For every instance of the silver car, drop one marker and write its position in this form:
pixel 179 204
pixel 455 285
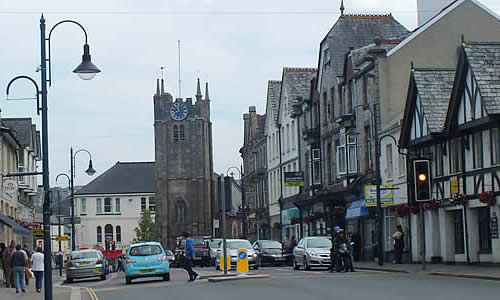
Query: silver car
pixel 85 264
pixel 312 252
pixel 232 248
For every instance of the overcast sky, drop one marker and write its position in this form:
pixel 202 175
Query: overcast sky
pixel 235 45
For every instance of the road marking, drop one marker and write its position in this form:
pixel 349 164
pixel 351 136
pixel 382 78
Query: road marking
pixel 92 294
pixel 147 285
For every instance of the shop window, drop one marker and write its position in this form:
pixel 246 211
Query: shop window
pixel 484 230
pixel 458 225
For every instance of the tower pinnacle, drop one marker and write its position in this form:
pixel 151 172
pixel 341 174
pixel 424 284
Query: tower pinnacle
pixel 198 91
pixel 207 97
pixel 341 7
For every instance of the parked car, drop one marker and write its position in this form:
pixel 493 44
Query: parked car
pixel 146 259
pixel 170 256
pixel 86 264
pixel 312 252
pixel 232 250
pixel 214 246
pixel 201 250
pixel 270 252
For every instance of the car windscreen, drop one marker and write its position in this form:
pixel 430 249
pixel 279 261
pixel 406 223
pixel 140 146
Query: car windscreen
pixel 195 242
pixel 238 245
pixel 215 244
pixel 145 250
pixel 319 243
pixel 270 245
pixel 84 255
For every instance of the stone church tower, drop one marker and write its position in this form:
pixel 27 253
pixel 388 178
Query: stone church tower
pixel 184 165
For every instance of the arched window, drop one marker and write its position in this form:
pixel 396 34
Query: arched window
pixel 181 133
pixel 118 234
pixel 180 211
pixel 99 234
pixel 176 133
pixel 108 232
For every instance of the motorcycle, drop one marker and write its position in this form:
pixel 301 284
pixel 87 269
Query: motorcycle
pixel 343 257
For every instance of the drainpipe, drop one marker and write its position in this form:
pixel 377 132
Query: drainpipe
pixel 281 180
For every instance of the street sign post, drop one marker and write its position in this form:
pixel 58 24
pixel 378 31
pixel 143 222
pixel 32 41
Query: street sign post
pixel 242 264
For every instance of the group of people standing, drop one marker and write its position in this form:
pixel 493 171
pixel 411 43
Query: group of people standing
pixel 18 264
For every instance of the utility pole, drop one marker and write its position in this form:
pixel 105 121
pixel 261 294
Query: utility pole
pixel 380 213
pixel 224 245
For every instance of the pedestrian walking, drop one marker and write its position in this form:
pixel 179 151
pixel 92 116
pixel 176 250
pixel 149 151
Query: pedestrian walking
pixel 286 241
pixel 7 257
pixel 18 263
pixel 28 263
pixel 399 244
pixel 189 257
pixel 38 268
pixel 293 243
pixel 2 263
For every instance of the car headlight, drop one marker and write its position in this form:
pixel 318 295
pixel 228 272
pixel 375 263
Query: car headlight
pixel 310 252
pixel 253 255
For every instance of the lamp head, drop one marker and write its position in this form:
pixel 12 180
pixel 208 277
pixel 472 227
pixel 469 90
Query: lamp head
pixel 90 171
pixel 86 70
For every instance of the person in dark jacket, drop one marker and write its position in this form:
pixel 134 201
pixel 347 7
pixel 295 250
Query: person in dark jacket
pixel 2 262
pixel 28 263
pixel 18 263
pixel 189 257
pixel 7 257
pixel 399 244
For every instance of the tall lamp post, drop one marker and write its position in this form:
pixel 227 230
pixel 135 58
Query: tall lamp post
pixel 243 200
pixel 86 71
pixel 90 171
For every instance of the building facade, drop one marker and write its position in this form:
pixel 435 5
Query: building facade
pixel 184 165
pixel 110 206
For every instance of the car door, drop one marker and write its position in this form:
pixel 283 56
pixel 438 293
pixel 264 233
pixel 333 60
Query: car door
pixel 298 252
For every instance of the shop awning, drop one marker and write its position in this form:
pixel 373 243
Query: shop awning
pixel 16 228
pixel 357 209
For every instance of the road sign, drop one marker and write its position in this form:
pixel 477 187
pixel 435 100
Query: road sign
pixel 294 179
pixel 386 195
pixel 228 259
pixel 242 265
pixel 62 238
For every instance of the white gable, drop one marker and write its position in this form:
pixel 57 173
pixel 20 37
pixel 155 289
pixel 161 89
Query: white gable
pixel 419 122
pixel 471 106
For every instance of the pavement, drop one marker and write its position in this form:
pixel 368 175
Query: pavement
pixel 59 292
pixel 473 271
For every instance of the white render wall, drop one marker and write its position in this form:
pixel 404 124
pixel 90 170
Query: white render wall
pixel 128 219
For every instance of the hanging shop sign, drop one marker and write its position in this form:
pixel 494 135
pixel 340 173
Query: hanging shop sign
pixel 386 195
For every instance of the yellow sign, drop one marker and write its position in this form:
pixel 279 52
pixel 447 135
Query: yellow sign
pixel 386 195
pixel 62 238
pixel 228 259
pixel 242 266
pixel 454 186
pixel 37 232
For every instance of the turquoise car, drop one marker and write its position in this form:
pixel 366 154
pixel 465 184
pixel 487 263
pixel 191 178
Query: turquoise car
pixel 146 259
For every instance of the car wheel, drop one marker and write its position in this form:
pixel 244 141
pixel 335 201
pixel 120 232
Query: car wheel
pixel 103 276
pixel 306 264
pixel 295 265
pixel 128 280
pixel 166 277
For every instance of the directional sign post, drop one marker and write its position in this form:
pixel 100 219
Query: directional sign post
pixel 242 265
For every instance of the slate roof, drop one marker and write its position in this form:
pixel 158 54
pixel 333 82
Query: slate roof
pixel 297 82
pixel 24 129
pixel 123 178
pixel 484 58
pixel 434 89
pixel 273 95
pixel 355 31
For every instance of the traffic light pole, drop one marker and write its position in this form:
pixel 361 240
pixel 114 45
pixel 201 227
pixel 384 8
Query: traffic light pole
pixel 380 213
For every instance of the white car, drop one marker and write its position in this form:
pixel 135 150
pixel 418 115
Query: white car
pixel 312 252
pixel 232 246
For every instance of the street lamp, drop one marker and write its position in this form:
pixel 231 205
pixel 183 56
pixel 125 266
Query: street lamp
pixel 243 199
pixel 90 171
pixel 85 70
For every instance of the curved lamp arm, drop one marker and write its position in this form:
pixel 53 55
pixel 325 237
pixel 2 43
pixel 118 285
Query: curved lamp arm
pixel 48 39
pixel 90 170
pixel 65 175
pixel 36 87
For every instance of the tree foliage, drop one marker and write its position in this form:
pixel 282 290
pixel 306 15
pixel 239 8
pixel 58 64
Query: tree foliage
pixel 146 230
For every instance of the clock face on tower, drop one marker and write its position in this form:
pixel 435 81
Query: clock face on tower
pixel 179 111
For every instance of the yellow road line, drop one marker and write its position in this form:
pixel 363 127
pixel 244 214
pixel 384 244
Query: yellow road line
pixel 92 294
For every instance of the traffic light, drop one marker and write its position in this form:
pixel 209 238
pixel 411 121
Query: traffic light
pixel 113 246
pixel 422 179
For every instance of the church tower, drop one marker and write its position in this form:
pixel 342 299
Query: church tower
pixel 184 165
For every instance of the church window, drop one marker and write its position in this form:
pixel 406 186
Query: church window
pixel 181 133
pixel 180 209
pixel 176 133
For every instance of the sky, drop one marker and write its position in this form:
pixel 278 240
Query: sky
pixel 237 46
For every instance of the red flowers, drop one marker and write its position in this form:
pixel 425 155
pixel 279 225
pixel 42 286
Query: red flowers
pixel 488 198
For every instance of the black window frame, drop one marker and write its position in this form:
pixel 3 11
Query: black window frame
pixel 458 226
pixel 484 233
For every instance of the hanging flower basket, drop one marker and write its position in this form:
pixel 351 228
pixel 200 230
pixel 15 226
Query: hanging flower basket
pixel 308 219
pixel 488 198
pixel 458 199
pixel 414 209
pixel 294 220
pixel 402 210
pixel 432 205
